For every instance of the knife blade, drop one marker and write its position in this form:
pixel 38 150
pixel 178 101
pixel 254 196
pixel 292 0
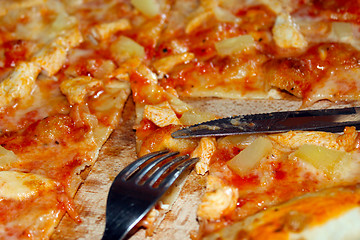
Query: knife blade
pixel 329 120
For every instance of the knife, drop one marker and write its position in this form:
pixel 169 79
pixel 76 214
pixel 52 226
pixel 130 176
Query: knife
pixel 329 120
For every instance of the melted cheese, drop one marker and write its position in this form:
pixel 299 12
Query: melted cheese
pixel 21 186
pixel 342 84
pixel 7 157
pixel 40 30
pixel 295 139
pixel 218 201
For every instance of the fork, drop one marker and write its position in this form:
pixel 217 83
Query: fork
pixel 138 187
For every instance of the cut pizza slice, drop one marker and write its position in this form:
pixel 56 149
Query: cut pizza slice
pixel 249 174
pixel 53 121
pixel 26 198
pixel 259 49
pixel 59 148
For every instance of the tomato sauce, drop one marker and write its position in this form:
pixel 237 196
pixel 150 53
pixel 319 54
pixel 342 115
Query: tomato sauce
pixel 14 52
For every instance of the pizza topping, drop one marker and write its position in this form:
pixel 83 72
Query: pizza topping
pixel 20 186
pixel 204 152
pixel 331 162
pixel 166 64
pixel 161 139
pixel 224 15
pixel 103 31
pixel 295 139
pixel 197 21
pixel 348 141
pixel 161 114
pixel 325 71
pixel 19 83
pixel 7 157
pixel 194 116
pixel 145 87
pixel 343 32
pixel 301 162
pixel 125 48
pixel 149 8
pixel 287 34
pixel 69 39
pixel 341 84
pixel 50 58
pixel 69 206
pixel 218 201
pixel 15 52
pixel 179 106
pixel 235 45
pixel 76 89
pixel 250 157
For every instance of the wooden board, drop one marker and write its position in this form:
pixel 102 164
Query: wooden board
pixel 119 150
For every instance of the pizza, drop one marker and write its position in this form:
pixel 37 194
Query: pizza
pixel 67 68
pixel 59 103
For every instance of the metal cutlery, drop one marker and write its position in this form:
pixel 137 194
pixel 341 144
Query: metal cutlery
pixel 138 187
pixel 331 120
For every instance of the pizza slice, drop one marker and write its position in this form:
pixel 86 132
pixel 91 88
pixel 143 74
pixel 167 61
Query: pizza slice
pixel 259 49
pixel 66 69
pixel 47 160
pixel 253 174
pixel 54 118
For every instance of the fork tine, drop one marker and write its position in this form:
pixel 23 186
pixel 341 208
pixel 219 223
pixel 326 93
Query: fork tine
pixel 126 172
pixel 128 202
pixel 141 173
pixel 170 179
pixel 158 173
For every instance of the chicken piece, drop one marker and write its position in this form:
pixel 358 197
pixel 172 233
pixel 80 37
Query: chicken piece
pixel 19 83
pixel 219 200
pixel 204 152
pixel 77 89
pixel 105 30
pixel 166 64
pixel 287 34
pixel 161 114
pixel 53 56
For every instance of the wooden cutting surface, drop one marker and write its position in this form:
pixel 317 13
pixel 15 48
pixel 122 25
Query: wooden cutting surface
pixel 180 222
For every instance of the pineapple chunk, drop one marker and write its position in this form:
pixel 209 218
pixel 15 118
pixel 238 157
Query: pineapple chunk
pixel 330 161
pixel 149 8
pixel 235 45
pixel 125 48
pixel 343 31
pixel 250 157
pixel 7 157
pixel 240 141
pixel 195 116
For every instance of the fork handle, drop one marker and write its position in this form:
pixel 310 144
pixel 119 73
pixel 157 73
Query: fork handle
pixel 121 218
